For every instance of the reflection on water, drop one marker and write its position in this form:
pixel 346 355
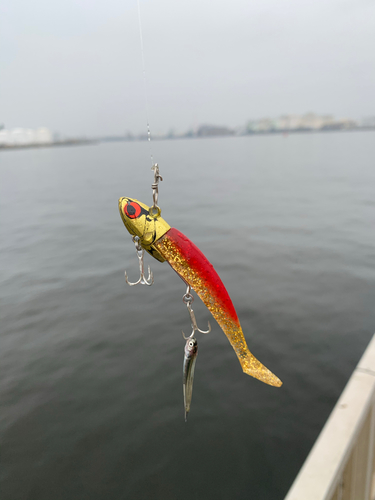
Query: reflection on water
pixel 91 370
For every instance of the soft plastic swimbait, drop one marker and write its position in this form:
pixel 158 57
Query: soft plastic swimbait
pixel 168 244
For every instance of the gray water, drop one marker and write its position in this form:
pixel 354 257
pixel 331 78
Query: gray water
pixel 91 369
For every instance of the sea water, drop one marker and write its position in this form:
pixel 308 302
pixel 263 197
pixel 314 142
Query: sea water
pixel 91 369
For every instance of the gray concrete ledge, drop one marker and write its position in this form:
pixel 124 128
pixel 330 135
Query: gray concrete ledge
pixel 340 464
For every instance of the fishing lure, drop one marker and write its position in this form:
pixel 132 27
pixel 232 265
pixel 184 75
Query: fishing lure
pixel 152 233
pixel 190 353
pixel 190 358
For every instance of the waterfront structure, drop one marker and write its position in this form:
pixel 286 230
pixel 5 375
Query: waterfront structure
pixel 299 123
pixel 341 464
pixel 213 131
pixel 26 137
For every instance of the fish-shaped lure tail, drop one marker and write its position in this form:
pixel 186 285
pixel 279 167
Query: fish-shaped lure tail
pixel 166 243
pixel 190 358
pixel 194 268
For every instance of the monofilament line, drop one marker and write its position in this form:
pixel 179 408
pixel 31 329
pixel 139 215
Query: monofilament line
pixel 145 81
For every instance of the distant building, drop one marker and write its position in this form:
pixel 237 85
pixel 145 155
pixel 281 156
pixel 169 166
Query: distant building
pixel 311 121
pixel 43 136
pixel 25 137
pixel 289 122
pixel 306 122
pixel 213 130
pixel 342 124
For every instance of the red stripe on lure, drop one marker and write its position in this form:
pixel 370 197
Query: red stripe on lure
pixel 166 243
pixel 191 264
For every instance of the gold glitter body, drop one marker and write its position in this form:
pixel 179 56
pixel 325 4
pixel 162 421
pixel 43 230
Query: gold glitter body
pixel 185 263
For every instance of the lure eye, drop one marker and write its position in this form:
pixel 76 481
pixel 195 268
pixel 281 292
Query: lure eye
pixel 132 210
pixel 191 343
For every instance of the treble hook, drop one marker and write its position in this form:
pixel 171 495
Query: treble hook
pixel 140 253
pixel 188 299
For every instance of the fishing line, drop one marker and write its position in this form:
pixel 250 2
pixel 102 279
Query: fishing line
pixel 145 82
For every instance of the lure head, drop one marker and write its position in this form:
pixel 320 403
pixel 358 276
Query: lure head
pixel 144 222
pixel 191 347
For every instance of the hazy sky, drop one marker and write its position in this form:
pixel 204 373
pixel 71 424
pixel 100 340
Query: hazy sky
pixel 75 66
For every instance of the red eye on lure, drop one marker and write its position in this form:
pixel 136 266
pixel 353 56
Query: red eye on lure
pixel 153 234
pixel 132 210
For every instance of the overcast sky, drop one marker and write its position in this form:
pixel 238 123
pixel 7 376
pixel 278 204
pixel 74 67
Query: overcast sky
pixel 75 66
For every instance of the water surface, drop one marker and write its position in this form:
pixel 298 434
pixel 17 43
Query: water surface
pixel 91 369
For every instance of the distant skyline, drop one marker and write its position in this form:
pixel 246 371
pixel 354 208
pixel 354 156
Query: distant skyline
pixel 76 66
pixel 310 122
